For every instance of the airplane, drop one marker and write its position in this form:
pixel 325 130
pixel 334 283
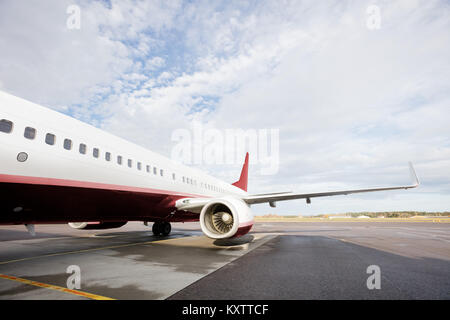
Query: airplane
pixel 57 169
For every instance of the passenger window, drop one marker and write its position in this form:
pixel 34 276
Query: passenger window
pixel 139 166
pixel 50 139
pixel 155 171
pixel 95 152
pixel 67 144
pixel 183 179
pixel 119 160
pixel 82 148
pixel 108 156
pixel 30 133
pixel 148 168
pixel 130 163
pixel 173 176
pixel 6 126
pixel 161 172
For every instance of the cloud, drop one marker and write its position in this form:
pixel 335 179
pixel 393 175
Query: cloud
pixel 352 105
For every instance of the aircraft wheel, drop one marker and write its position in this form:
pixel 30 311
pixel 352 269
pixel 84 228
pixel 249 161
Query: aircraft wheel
pixel 156 228
pixel 165 228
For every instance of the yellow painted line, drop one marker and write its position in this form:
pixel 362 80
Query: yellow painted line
pixel 57 288
pixel 90 250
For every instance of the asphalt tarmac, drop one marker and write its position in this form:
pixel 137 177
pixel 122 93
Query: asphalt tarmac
pixel 276 260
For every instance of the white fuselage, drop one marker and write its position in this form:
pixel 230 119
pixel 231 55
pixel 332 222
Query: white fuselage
pixel 54 161
pixel 146 171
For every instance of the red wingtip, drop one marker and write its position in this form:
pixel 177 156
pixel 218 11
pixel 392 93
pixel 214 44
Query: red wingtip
pixel 243 180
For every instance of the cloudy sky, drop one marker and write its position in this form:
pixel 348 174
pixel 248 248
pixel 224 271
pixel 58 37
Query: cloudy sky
pixel 354 92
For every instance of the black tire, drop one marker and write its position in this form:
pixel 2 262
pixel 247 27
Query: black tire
pixel 156 228
pixel 166 228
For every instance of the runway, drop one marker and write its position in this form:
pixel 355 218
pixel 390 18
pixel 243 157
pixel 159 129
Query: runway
pixel 277 260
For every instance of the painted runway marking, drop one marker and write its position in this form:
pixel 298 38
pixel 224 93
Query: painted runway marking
pixel 57 288
pixel 90 250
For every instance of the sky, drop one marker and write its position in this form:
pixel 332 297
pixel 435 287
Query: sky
pixel 344 93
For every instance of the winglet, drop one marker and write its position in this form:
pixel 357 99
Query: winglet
pixel 413 175
pixel 243 180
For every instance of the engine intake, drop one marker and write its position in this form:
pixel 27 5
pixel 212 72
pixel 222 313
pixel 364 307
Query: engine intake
pixel 222 218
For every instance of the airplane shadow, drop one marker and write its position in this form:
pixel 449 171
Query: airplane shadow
pixel 234 241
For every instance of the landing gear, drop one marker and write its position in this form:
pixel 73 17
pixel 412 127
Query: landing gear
pixel 161 228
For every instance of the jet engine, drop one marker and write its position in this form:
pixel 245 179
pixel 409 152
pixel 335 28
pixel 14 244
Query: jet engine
pixel 226 218
pixel 97 226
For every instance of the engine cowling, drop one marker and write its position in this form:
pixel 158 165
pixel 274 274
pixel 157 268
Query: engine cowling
pixel 226 218
pixel 97 226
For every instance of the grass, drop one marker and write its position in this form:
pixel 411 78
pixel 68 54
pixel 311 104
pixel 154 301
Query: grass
pixel 373 216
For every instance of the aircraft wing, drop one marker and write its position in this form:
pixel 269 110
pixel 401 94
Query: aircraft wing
pixel 272 198
pixel 196 204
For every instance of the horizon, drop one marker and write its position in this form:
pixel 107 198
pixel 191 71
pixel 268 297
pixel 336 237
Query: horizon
pixel 336 96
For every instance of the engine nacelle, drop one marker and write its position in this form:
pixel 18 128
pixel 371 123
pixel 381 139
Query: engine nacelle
pixel 97 225
pixel 226 218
